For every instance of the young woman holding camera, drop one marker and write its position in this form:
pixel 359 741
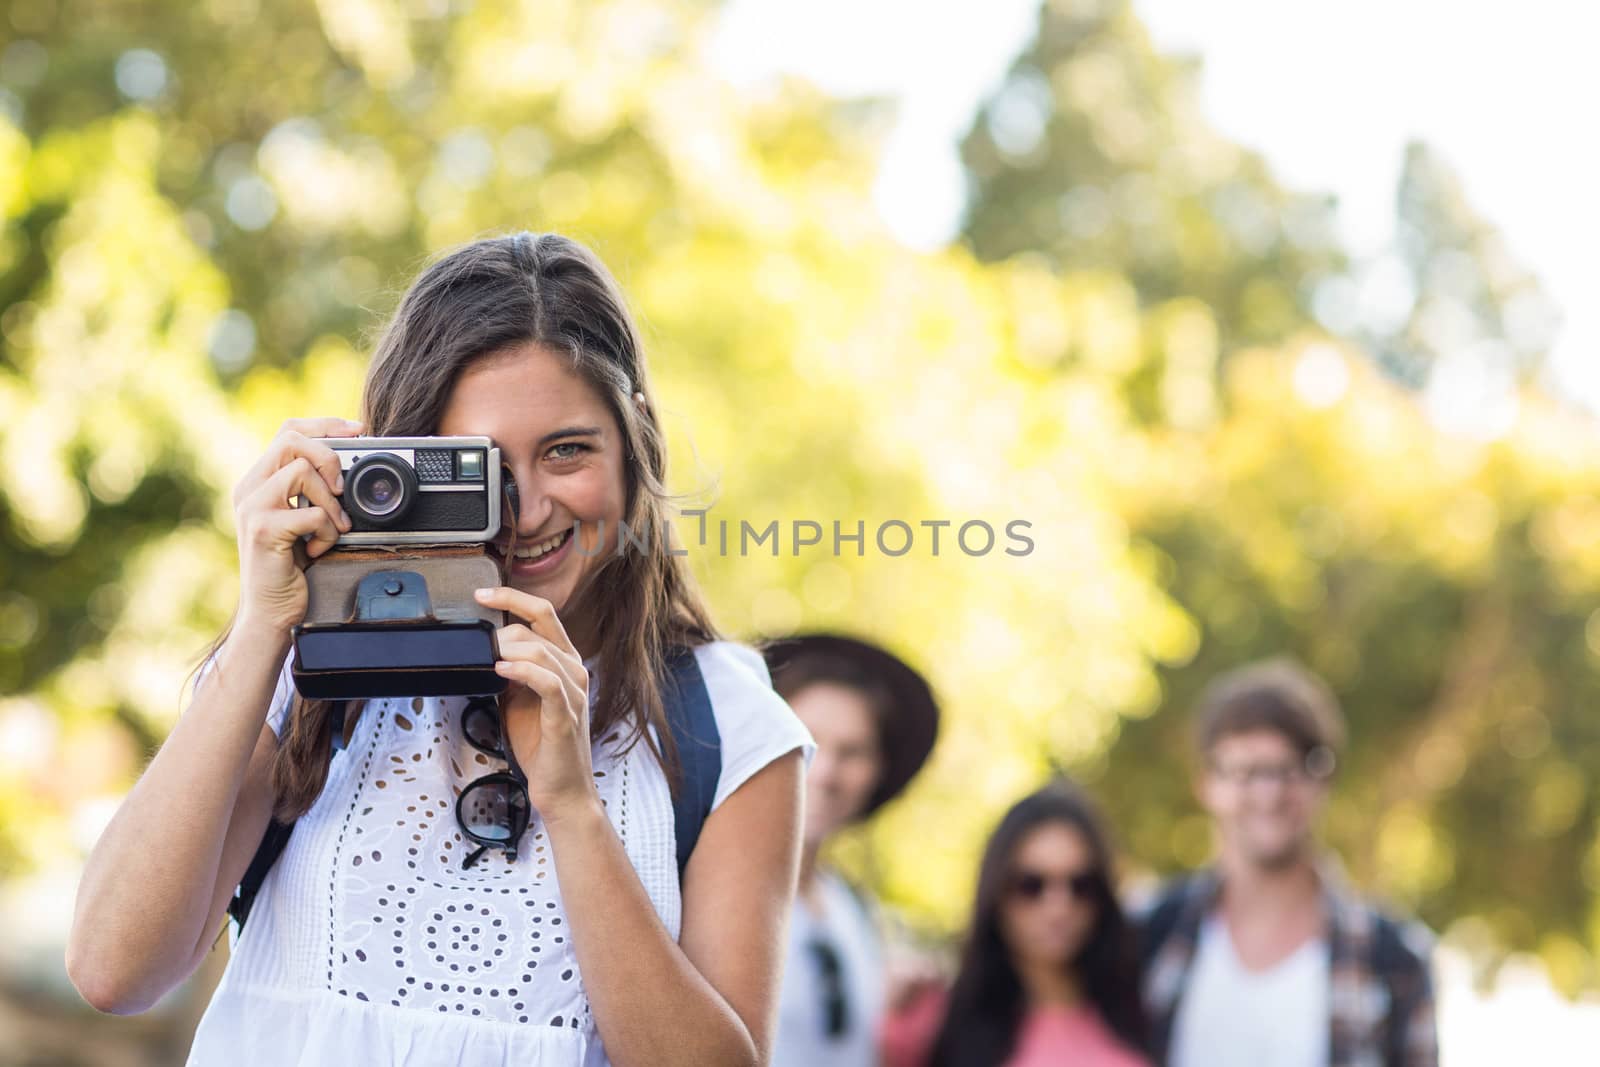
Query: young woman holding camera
pixel 371 941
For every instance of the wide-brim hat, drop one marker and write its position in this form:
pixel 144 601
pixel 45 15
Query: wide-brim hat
pixel 907 728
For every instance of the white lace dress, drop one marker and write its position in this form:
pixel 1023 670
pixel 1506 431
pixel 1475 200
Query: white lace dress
pixel 368 942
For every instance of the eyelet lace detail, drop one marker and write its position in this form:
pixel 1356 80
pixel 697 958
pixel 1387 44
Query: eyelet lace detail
pixel 418 931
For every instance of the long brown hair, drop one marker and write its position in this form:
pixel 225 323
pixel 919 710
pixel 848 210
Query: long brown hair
pixel 471 303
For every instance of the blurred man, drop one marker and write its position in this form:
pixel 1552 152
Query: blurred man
pixel 1267 958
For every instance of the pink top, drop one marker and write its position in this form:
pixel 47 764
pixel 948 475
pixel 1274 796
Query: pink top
pixel 1050 1036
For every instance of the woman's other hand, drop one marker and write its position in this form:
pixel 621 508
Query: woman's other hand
pixel 547 707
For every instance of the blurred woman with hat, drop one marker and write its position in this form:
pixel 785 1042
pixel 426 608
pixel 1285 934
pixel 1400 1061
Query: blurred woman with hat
pixel 874 720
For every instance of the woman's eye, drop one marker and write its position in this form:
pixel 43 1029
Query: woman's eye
pixel 573 450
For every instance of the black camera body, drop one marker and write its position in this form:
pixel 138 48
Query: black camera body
pixel 391 610
pixel 419 490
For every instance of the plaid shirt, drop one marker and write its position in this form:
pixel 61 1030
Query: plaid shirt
pixel 1380 990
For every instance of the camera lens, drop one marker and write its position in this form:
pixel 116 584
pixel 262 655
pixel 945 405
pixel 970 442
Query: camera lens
pixel 381 489
pixel 380 492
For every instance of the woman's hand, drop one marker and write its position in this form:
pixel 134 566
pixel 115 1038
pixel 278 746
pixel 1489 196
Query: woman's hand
pixel 272 583
pixel 547 707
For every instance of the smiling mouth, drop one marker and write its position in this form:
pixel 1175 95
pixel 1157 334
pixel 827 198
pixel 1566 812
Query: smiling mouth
pixel 530 553
pixel 533 551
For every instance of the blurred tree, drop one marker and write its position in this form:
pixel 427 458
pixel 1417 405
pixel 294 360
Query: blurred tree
pixel 207 207
pixel 204 211
pixel 1472 322
pixel 1093 153
pixel 1405 545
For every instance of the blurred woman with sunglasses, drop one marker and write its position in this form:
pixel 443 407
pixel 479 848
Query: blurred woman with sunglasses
pixel 1048 974
pixel 382 935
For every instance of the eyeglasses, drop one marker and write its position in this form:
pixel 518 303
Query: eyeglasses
pixel 492 810
pixel 1031 885
pixel 835 1008
pixel 1317 765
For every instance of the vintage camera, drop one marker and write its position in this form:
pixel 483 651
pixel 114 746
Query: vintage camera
pixel 419 490
pixel 391 608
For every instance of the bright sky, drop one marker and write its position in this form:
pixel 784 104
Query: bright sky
pixel 1328 93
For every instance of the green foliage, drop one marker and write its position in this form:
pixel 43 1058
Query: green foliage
pixel 1436 568
pixel 1093 154
pixel 197 256
pixel 205 209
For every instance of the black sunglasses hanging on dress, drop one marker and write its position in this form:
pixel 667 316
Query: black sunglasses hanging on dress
pixel 492 810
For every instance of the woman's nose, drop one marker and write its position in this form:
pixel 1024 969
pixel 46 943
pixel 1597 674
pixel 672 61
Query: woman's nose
pixel 530 506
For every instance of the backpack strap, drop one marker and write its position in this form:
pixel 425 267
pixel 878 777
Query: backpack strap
pixel 699 744
pixel 277 836
pixel 272 844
